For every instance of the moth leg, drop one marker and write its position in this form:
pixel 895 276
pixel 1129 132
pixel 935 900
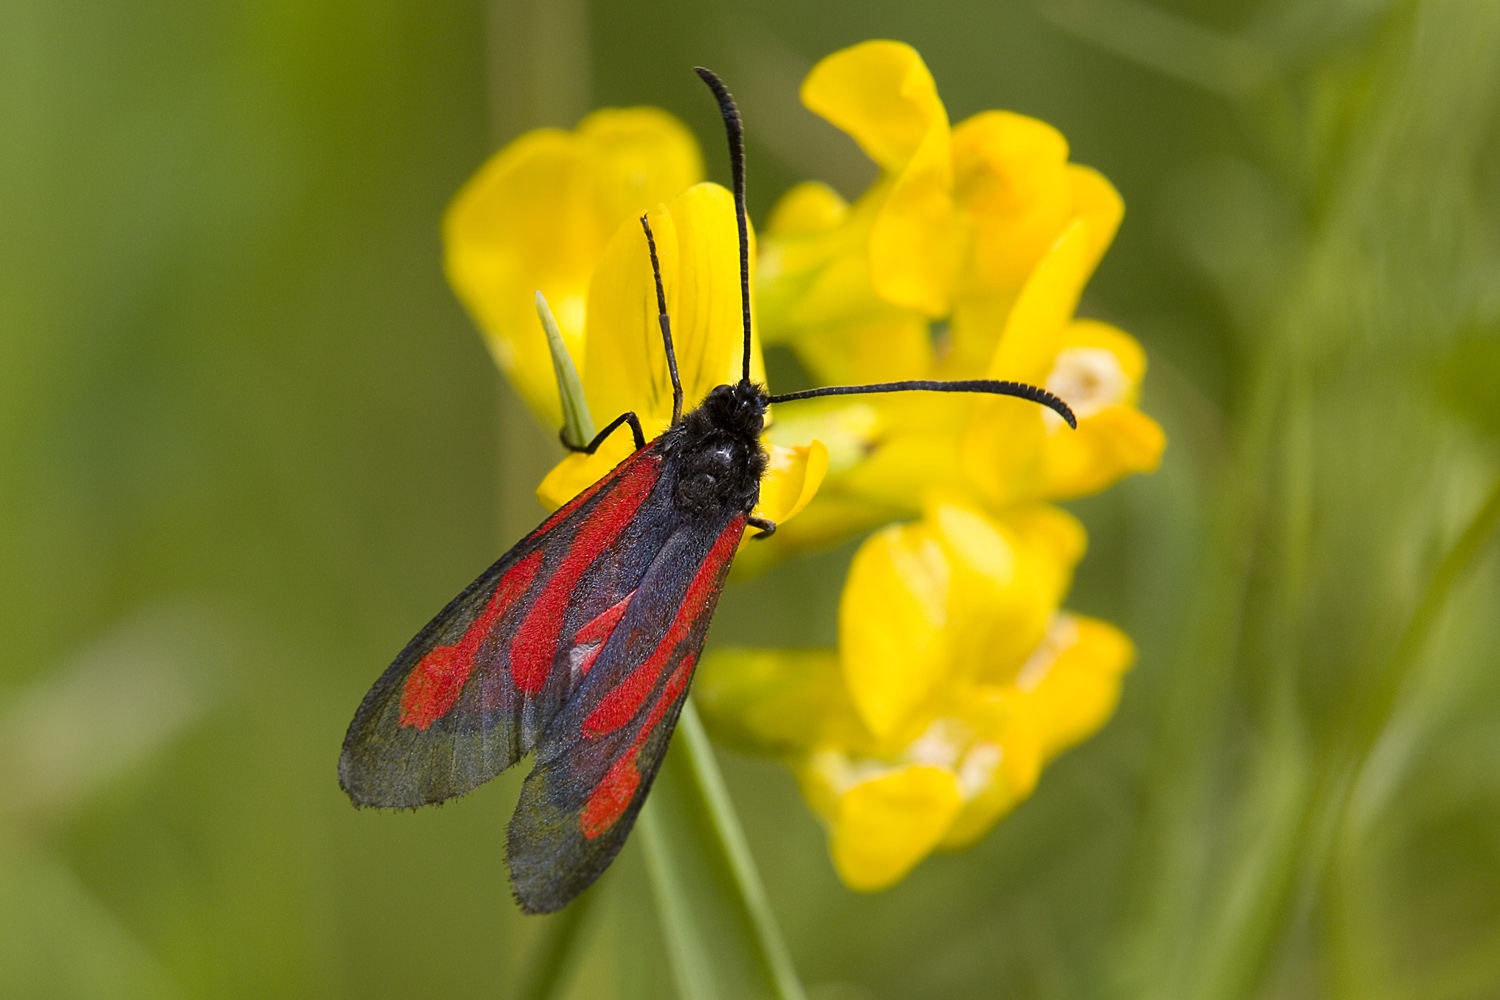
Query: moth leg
pixel 628 417
pixel 767 527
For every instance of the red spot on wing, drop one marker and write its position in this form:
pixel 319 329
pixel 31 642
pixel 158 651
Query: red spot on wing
pixel 676 684
pixel 611 797
pixel 598 632
pixel 435 682
pixel 625 699
pixel 599 628
pixel 613 794
pixel 535 644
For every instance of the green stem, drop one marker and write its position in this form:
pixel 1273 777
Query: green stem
pixel 552 956
pixel 686 950
pixel 1335 828
pixel 775 959
pixel 1377 708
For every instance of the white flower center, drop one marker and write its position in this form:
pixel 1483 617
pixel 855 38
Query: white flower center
pixel 1088 379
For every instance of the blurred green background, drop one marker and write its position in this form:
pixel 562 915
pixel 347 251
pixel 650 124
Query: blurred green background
pixel 249 443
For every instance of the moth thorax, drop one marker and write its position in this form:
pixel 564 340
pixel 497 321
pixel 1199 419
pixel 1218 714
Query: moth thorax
pixel 719 457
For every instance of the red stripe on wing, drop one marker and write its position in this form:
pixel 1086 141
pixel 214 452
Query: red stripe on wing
pixel 535 645
pixel 435 682
pixel 613 794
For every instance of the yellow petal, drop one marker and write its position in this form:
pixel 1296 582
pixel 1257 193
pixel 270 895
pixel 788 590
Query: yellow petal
pixel 996 773
pixel 831 289
pixel 882 94
pixel 1003 440
pixel 846 428
pixel 886 347
pixel 1098 367
pixel 792 477
pixel 893 618
pixel 697 244
pixel 577 472
pixel 887 824
pixel 1099 205
pixel 1090 333
pixel 830 520
pixel 1033 324
pixel 808 208
pixel 1013 186
pixel 776 701
pixel 1000 603
pixel 1015 453
pixel 1107 446
pixel 538 215
pixel 1012 783
pixel 1098 373
pixel 528 220
pixel 1008 576
pixel 1034 330
pixel 1055 536
pixel 1000 450
pixel 1066 691
pixel 912 451
pixel 1074 685
pixel 918 240
pixel 813 281
pixel 642 157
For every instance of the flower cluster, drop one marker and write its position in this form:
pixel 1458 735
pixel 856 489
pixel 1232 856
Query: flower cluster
pixel 957 674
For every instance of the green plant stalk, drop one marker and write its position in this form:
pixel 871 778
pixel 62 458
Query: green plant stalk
pixel 1172 863
pixel 1308 821
pixel 770 945
pixel 552 956
pixel 1375 712
pixel 717 924
pixel 688 953
pixel 1335 828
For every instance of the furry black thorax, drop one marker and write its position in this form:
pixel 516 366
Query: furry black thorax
pixel 718 452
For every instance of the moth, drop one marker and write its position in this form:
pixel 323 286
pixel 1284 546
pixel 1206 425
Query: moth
pixel 579 644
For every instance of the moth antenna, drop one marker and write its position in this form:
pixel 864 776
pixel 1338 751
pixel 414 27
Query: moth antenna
pixel 735 130
pixel 666 324
pixel 994 387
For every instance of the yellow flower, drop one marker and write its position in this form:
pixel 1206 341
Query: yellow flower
pixel 987 229
pixel 540 214
pixel 558 212
pixel 972 764
pixel 955 681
